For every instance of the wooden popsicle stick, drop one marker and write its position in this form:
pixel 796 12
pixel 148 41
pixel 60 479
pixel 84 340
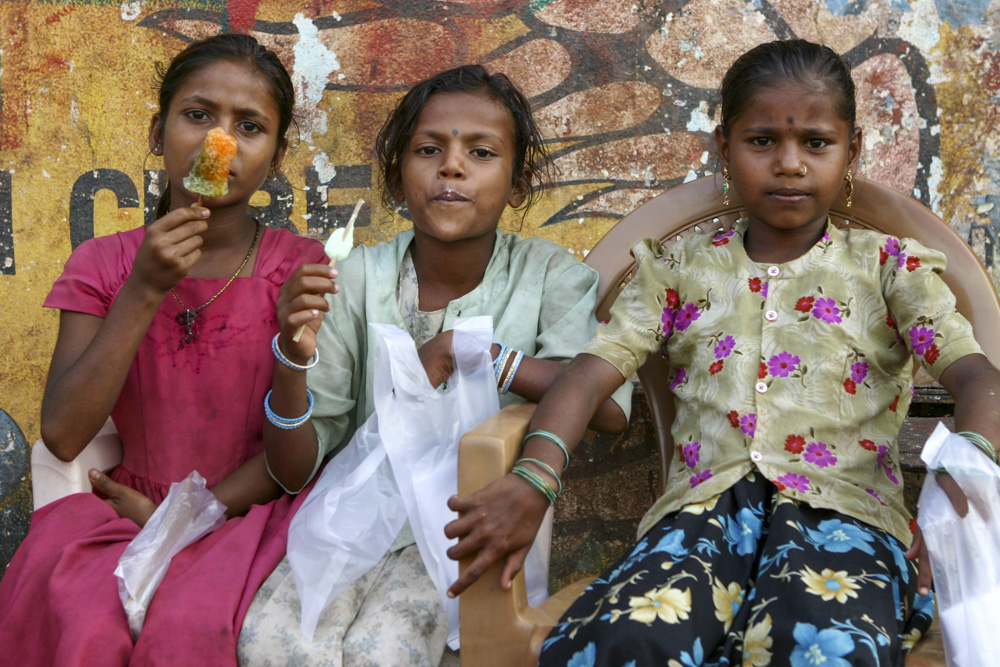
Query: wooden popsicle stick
pixel 333 262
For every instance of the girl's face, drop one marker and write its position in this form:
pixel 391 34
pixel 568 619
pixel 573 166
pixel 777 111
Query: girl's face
pixel 456 175
pixel 788 154
pixel 235 97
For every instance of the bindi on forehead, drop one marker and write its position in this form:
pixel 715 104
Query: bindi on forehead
pixel 454 133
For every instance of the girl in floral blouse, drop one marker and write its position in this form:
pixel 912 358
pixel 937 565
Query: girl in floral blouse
pixel 781 537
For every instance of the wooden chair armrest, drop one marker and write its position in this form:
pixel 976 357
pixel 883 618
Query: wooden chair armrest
pixel 52 479
pixel 499 627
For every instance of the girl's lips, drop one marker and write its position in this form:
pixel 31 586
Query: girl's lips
pixel 789 195
pixel 451 196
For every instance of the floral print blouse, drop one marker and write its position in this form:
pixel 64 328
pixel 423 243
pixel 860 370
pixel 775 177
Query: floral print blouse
pixel 800 370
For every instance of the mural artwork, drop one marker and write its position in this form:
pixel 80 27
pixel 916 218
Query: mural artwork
pixel 624 91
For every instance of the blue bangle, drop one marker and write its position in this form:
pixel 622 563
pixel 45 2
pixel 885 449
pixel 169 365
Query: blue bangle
pixel 286 361
pixel 509 380
pixel 499 362
pixel 551 437
pixel 287 424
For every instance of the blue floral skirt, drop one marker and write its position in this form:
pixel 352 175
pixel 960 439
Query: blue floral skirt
pixel 749 578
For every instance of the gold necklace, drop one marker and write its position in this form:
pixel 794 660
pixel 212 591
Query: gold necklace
pixel 187 318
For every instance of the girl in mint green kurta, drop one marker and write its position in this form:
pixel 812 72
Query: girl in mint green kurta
pixel 459 149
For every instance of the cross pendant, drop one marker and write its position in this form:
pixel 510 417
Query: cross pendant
pixel 186 320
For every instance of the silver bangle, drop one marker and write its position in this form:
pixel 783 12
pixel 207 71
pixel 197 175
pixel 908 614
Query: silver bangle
pixel 286 361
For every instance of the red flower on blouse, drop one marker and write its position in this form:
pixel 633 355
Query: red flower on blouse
pixel 867 444
pixel 805 304
pixel 850 386
pixel 889 322
pixel 734 419
pixel 715 367
pixel 912 262
pixel 672 299
pixel 895 402
pixel 754 284
pixel 762 372
pixel 795 444
pixel 932 354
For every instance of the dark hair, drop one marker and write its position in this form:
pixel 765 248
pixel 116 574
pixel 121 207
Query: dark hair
pixel 231 47
pixel 531 160
pixel 773 63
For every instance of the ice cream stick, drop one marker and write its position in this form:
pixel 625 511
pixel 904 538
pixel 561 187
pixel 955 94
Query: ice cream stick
pixel 348 232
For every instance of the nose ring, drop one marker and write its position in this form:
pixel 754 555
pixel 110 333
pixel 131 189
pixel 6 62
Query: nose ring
pixel 805 170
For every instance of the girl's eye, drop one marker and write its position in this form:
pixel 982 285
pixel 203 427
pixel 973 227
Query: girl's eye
pixel 482 153
pixel 428 150
pixel 817 144
pixel 761 141
pixel 250 127
pixel 197 114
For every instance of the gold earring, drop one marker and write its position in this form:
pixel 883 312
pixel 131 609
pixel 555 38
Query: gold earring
pixel 849 188
pixel 725 186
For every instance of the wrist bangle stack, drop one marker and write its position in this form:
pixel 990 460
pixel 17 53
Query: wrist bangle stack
pixel 509 378
pixel 288 362
pixel 536 480
pixel 551 437
pixel 287 424
pixel 982 443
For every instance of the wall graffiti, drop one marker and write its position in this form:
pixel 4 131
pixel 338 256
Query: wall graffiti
pixel 624 91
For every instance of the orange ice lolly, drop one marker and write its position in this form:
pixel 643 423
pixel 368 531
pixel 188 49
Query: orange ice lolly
pixel 210 172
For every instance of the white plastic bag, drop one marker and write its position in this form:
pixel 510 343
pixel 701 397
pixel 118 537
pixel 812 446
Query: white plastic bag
pixel 964 552
pixel 401 462
pixel 189 512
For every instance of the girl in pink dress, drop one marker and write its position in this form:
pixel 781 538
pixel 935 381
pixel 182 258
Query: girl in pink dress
pixel 167 329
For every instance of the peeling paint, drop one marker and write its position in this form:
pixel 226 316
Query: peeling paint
pixel 314 63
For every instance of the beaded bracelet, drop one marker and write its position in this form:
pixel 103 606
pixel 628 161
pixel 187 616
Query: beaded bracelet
pixel 286 361
pixel 509 379
pixel 536 481
pixel 981 442
pixel 552 437
pixel 498 363
pixel 546 467
pixel 287 424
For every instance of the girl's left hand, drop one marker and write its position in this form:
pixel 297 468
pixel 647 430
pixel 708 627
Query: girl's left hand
pixel 129 503
pixel 498 522
pixel 919 549
pixel 437 358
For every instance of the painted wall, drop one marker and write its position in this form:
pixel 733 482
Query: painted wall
pixel 623 89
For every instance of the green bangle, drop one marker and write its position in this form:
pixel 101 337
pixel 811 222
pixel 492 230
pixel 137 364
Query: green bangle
pixel 544 466
pixel 551 437
pixel 533 478
pixel 982 443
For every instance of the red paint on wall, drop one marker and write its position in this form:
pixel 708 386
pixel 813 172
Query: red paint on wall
pixel 242 14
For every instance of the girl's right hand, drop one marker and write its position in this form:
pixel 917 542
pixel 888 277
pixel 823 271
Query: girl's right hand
pixel 302 301
pixel 170 248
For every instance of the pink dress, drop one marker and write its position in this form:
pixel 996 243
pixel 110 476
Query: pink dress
pixel 193 407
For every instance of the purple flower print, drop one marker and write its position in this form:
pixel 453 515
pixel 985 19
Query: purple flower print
pixel 700 477
pixel 685 316
pixel 921 339
pixel 859 371
pixel 748 424
pixel 883 452
pixel 819 455
pixel 795 482
pixel 725 347
pixel 691 452
pixel 668 320
pixel 826 310
pixel 763 289
pixel 874 495
pixel 902 260
pixel 825 237
pixel 892 246
pixel 783 363
pixel 679 376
